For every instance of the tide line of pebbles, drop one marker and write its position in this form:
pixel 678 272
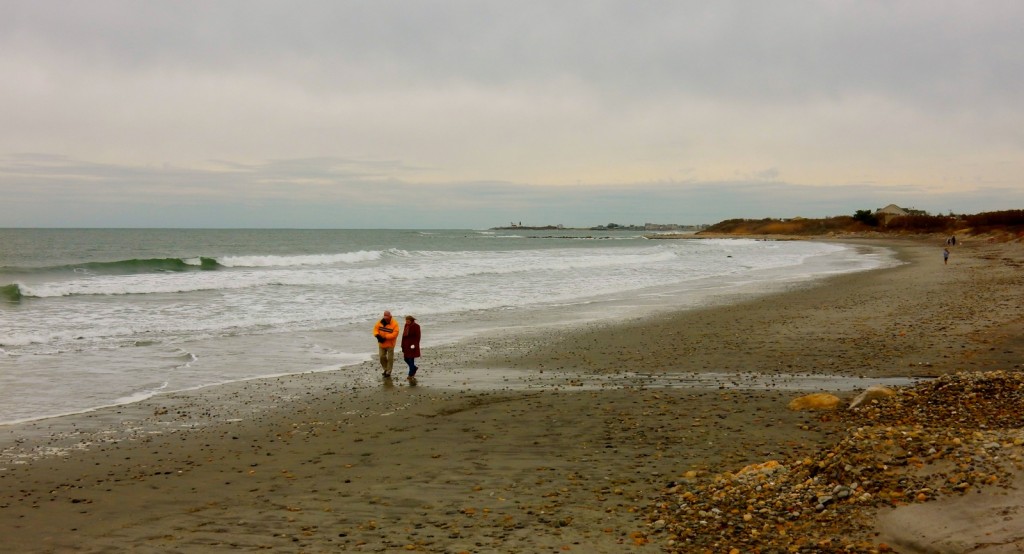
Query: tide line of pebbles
pixel 940 437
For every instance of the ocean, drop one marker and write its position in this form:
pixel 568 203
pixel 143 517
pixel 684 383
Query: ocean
pixel 99 317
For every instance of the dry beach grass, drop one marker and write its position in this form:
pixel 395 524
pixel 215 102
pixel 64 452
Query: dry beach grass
pixel 587 440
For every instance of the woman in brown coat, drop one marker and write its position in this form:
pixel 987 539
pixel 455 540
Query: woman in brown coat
pixel 411 344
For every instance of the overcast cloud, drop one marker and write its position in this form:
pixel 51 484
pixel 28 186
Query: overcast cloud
pixel 472 114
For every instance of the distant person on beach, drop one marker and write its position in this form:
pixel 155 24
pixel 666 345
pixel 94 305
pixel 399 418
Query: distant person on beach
pixel 945 255
pixel 386 333
pixel 411 344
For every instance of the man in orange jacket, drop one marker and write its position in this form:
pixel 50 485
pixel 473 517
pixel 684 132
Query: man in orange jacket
pixel 386 333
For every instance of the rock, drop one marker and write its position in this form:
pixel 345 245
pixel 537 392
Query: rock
pixel 816 401
pixel 933 441
pixel 871 393
pixel 759 471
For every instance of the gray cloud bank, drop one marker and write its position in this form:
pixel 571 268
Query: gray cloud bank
pixel 340 193
pixel 254 113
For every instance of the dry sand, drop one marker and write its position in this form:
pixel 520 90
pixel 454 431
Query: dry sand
pixel 547 443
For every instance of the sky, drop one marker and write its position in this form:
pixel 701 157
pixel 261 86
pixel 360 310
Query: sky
pixel 476 113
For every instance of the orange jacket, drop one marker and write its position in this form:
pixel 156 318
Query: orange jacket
pixel 389 332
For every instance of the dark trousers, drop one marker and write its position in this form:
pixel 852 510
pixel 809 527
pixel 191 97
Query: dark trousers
pixel 412 366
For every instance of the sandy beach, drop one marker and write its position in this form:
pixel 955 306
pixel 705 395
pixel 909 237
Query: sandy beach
pixel 564 441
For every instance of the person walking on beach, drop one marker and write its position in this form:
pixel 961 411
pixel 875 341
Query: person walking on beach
pixel 945 256
pixel 411 345
pixel 386 333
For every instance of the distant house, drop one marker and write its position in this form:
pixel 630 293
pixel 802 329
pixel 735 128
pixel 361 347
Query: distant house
pixel 890 212
pixel 661 227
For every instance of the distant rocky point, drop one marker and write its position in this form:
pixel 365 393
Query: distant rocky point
pixel 608 227
pixel 1007 225
pixel 1001 226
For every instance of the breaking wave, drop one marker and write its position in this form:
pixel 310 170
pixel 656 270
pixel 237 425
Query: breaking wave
pixel 10 293
pixel 201 263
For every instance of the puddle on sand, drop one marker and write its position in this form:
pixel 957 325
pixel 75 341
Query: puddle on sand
pixel 492 379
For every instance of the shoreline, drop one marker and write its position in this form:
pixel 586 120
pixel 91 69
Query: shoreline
pixel 302 463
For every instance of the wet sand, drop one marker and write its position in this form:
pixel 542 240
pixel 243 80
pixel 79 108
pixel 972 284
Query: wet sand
pixel 547 443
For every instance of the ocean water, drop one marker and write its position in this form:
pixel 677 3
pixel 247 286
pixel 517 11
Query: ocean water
pixel 99 317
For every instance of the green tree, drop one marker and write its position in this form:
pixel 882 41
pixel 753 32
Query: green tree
pixel 866 217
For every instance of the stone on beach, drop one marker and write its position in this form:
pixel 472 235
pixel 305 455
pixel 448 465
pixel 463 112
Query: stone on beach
pixel 816 401
pixel 933 441
pixel 873 392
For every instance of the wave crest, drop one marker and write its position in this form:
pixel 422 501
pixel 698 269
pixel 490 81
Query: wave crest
pixel 146 265
pixel 306 260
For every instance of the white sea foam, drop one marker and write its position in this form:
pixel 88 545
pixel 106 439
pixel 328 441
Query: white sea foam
pixel 431 265
pixel 140 395
pixel 289 261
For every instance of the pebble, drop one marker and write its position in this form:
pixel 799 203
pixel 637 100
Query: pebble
pixel 887 456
